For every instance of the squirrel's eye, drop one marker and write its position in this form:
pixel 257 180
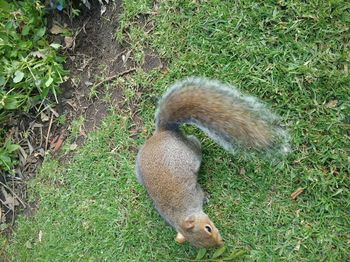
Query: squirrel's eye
pixel 208 228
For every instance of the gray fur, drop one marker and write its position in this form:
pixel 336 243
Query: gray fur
pixel 252 103
pixel 138 169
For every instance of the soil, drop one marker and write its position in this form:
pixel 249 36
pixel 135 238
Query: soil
pixel 93 58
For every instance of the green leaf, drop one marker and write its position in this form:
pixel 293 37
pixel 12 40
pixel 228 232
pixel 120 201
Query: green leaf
pixel 12 147
pixel 2 80
pixel 236 254
pixel 25 30
pixel 49 81
pixel 3 226
pixel 28 244
pixel 201 253
pixel 41 32
pixel 4 6
pixel 219 252
pixel 11 103
pixel 55 45
pixel 18 77
pixel 10 25
pixel 5 160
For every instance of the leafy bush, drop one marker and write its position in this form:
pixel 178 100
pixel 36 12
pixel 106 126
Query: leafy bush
pixel 7 161
pixel 30 68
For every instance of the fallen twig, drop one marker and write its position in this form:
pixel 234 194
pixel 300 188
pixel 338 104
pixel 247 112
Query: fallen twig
pixel 296 193
pixel 114 77
pixel 48 132
pixel 57 143
pixel 13 204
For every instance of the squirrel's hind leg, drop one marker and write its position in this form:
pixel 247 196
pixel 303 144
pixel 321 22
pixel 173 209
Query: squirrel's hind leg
pixel 196 147
pixel 138 169
pixel 139 175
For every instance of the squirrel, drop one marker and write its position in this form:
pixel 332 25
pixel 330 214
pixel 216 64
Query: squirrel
pixel 168 163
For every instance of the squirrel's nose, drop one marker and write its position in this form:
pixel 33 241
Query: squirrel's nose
pixel 221 242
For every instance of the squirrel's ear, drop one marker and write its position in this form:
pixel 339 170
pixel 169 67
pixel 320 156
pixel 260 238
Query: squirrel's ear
pixel 189 223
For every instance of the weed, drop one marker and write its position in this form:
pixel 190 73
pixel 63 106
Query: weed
pixel 76 126
pixel 7 151
pixel 61 119
pixel 30 68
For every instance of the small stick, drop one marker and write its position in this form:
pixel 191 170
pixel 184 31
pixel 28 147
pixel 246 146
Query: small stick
pixel 296 193
pixel 13 204
pixel 115 76
pixel 48 132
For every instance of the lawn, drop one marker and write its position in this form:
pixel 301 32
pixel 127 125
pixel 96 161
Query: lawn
pixel 294 56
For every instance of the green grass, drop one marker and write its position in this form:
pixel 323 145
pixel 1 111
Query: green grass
pixel 294 56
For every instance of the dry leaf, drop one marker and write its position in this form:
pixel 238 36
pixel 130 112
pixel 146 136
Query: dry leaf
pixel 126 56
pixel 40 236
pixel 296 193
pixel 332 104
pixel 88 83
pixel 30 147
pixel 164 70
pixel 44 117
pixel 68 41
pixel 103 9
pixel 133 131
pixel 15 13
pixel 40 153
pixel 54 112
pixel 36 125
pixel 58 143
pixel 73 146
pixel 53 141
pixel 55 30
pixel 23 156
pixel 242 171
pixel 82 132
pixel 10 201
pixel 2 216
pixel 38 54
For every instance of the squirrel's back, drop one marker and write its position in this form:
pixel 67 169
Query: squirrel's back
pixel 229 117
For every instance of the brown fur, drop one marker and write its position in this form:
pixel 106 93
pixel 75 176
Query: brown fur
pixel 173 187
pixel 209 106
pixel 168 163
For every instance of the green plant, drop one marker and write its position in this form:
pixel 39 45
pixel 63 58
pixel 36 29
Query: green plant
pixel 76 126
pixel 61 119
pixel 30 68
pixel 6 155
pixel 219 254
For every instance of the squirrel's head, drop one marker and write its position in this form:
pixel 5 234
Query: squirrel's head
pixel 201 232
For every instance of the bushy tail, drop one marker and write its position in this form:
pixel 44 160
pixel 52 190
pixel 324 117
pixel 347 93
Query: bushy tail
pixel 223 113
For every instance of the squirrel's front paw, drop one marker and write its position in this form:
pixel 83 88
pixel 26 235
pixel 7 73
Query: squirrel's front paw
pixel 180 238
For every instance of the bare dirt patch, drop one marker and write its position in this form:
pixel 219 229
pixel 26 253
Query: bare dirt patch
pixel 94 59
